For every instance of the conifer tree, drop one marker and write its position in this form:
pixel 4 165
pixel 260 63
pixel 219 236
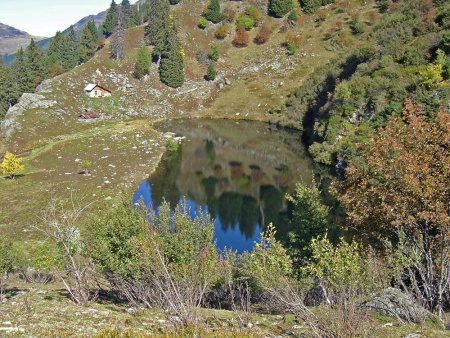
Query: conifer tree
pixel 21 76
pixel 125 7
pixel 117 40
pixel 56 50
pixel 88 41
pixel 211 72
pixel 135 19
pixel 72 49
pixel 280 8
pixel 4 83
pixel 171 67
pixel 142 66
pixel 144 11
pixel 110 20
pixel 213 12
pixel 158 27
pixel 36 63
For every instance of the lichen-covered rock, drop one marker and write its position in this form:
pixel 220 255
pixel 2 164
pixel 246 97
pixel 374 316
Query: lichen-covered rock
pixel 395 303
pixel 26 102
pixel 316 295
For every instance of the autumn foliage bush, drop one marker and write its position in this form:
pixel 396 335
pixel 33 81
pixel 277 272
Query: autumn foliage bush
pixel 263 34
pixel 402 189
pixel 241 39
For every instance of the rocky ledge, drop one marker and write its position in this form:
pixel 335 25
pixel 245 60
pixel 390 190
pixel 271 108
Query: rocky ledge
pixel 26 102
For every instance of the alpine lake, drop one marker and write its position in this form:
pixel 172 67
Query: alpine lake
pixel 238 172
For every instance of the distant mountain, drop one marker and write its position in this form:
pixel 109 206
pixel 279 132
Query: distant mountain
pixel 7 53
pixel 78 27
pixel 11 39
pixel 8 32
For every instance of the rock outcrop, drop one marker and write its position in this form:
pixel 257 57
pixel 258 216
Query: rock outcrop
pixel 26 102
pixel 395 303
pixel 316 295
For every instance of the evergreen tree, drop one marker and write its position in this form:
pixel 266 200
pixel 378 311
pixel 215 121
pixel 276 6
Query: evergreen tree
pixel 72 49
pixel 142 66
pixel 125 7
pixel 135 19
pixel 117 40
pixel 4 83
pixel 159 26
pixel 279 8
pixel 36 64
pixel 171 68
pixel 56 50
pixel 88 42
pixel 21 77
pixel 144 11
pixel 211 72
pixel 110 20
pixel 213 12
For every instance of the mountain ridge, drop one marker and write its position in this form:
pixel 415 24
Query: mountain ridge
pixel 11 39
pixel 7 31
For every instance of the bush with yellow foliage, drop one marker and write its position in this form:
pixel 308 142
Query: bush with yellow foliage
pixel 11 165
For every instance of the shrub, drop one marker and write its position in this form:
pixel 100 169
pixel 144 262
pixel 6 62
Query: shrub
pixel 309 220
pixel 211 72
pixel 357 27
pixel 347 277
pixel 142 66
pixel 202 23
pixel 172 146
pixel 166 259
pixel 6 263
pixel 263 34
pixel 254 13
pixel 241 39
pixel 293 16
pixel 213 53
pixel 244 21
pixel 12 165
pixel 85 165
pixel 279 8
pixel 402 187
pixel 321 15
pixel 37 262
pixel 221 32
pixel 292 43
pixel 213 12
pixel 60 225
pixel 229 14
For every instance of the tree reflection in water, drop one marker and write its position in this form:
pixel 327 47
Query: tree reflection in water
pixel 239 174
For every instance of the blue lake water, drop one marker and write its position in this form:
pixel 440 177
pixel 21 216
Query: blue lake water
pixel 238 172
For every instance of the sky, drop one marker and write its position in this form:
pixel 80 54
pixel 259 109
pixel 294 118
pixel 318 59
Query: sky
pixel 45 17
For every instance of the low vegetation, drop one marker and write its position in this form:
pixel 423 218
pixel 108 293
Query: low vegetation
pixel 378 114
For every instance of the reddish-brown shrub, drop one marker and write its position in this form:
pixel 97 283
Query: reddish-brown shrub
pixel 229 14
pixel 241 38
pixel 428 12
pixel 263 34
